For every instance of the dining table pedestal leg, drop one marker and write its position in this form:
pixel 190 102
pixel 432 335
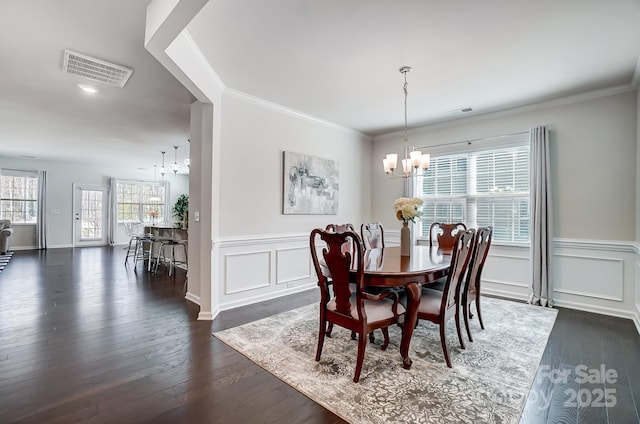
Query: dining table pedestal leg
pixel 413 291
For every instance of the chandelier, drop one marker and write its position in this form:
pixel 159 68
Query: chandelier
pixel 413 160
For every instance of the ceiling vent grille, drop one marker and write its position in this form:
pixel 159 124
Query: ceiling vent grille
pixel 95 69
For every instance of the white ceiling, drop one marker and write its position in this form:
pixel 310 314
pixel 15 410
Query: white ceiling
pixel 332 59
pixel 338 60
pixel 44 114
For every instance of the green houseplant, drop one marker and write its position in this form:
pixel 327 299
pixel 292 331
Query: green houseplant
pixel 180 209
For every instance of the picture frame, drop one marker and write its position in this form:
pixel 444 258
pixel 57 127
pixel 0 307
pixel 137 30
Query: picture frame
pixel 310 185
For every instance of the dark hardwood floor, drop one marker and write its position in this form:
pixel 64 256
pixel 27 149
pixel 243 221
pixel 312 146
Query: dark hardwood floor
pixel 84 339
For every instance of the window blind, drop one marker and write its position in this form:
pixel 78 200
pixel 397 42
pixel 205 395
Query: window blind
pixel 480 188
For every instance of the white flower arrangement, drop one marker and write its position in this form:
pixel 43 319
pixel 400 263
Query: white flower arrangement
pixel 407 208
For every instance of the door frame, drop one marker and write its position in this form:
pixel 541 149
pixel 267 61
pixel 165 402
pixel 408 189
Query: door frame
pixel 105 212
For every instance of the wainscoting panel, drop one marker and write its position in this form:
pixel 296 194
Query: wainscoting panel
pixel 293 264
pixel 254 269
pixel 592 276
pixel 247 271
pixel 506 270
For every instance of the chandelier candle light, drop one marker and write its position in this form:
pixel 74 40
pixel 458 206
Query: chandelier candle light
pixel 413 160
pixel 407 209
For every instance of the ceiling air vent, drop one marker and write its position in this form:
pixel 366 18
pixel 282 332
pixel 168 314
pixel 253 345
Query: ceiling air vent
pixel 95 69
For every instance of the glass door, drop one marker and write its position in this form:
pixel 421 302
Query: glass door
pixel 90 215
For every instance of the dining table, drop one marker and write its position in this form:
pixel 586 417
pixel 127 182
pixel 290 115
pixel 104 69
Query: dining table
pixel 386 267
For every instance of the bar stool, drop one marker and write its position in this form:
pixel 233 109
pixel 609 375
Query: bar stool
pixel 161 257
pixel 134 231
pixel 143 250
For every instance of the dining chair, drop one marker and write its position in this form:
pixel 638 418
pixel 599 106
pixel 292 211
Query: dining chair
pixel 372 235
pixel 439 306
pixel 350 307
pixel 471 290
pixel 445 234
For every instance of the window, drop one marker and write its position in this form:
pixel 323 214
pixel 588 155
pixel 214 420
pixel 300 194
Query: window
pixel 480 188
pixel 19 196
pixel 137 199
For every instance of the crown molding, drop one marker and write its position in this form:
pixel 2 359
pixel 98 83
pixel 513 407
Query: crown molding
pixel 201 59
pixel 517 109
pixel 291 112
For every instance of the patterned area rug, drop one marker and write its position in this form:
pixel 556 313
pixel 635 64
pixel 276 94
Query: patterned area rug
pixel 4 260
pixel 488 383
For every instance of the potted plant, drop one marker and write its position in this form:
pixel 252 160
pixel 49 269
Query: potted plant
pixel 180 210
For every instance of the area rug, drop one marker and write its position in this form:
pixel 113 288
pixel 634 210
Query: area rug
pixel 489 381
pixel 4 260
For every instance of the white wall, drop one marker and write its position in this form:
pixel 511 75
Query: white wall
pixel 263 253
pixel 254 137
pixel 60 179
pixel 594 142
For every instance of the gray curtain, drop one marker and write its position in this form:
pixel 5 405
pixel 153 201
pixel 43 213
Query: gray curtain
pixel 112 212
pixel 41 222
pixel 541 256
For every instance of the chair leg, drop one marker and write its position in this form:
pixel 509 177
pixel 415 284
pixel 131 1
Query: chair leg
pixel 137 247
pixel 458 327
pixel 478 309
pixel 321 334
pixel 465 312
pixel 443 342
pixel 329 329
pixel 372 338
pixel 385 333
pixel 128 251
pixel 362 344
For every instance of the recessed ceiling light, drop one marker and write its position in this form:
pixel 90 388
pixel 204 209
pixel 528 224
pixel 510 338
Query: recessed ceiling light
pixel 87 89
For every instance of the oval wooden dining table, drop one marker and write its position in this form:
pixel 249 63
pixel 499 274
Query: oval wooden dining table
pixel 385 267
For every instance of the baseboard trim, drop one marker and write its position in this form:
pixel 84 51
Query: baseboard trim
pixel 504 294
pixel 192 298
pixel 268 296
pixel 205 316
pixel 602 310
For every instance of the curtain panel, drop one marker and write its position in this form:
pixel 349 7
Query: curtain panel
pixel 541 229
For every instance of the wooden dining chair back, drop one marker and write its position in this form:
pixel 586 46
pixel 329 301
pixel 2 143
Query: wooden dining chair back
pixel 350 306
pixel 348 246
pixel 438 306
pixel 445 234
pixel 372 235
pixel 471 290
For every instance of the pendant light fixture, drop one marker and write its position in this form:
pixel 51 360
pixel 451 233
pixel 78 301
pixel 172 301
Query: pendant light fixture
pixel 175 167
pixel 153 197
pixel 187 161
pixel 412 160
pixel 163 170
